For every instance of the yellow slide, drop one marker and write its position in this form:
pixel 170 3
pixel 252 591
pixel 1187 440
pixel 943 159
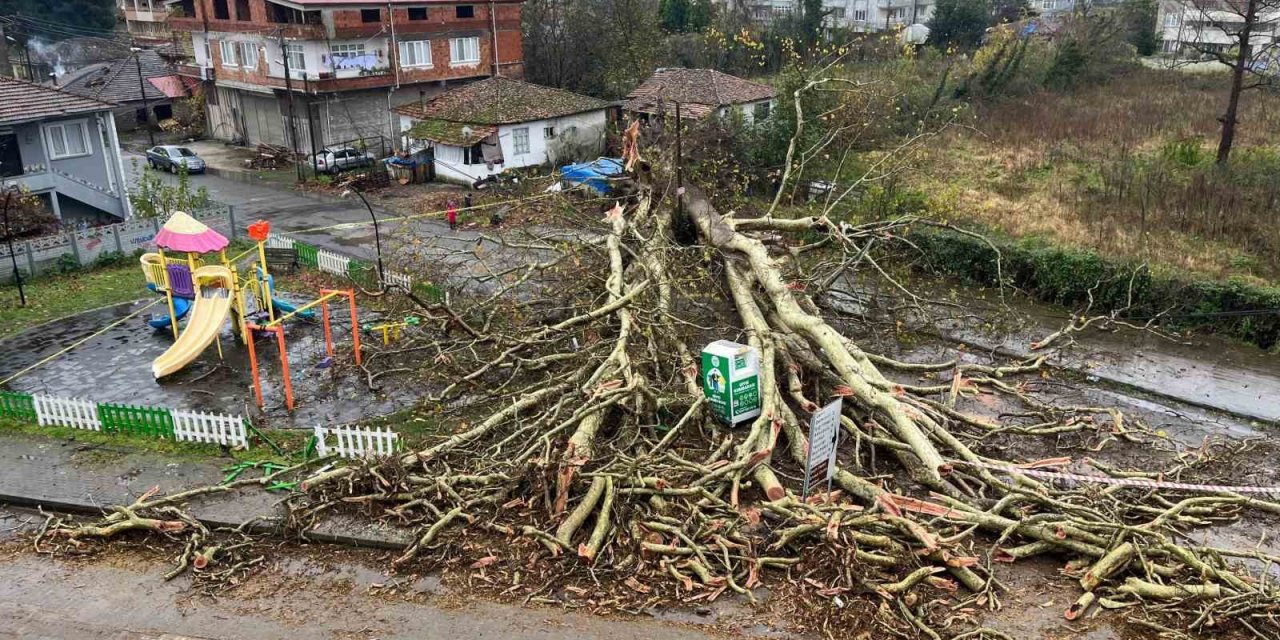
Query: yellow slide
pixel 213 302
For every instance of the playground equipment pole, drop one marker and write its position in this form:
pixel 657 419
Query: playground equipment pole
pixel 263 279
pixel 168 293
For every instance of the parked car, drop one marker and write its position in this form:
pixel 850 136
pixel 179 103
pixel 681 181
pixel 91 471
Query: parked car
pixel 168 157
pixel 335 160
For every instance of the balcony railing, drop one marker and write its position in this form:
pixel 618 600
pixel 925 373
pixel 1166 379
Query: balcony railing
pixel 195 71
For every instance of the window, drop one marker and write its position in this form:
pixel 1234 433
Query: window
pixel 228 53
pixel 371 15
pixel 464 11
pixel 417 13
pixel 860 15
pixel 297 61
pixel 464 50
pixel 1171 20
pixel 242 11
pixel 415 53
pixel 838 13
pixel 220 10
pixel 67 140
pixel 520 141
pixel 208 54
pixel 760 111
pixel 249 55
pixel 548 133
pixel 1048 5
pixel 473 154
pixel 339 52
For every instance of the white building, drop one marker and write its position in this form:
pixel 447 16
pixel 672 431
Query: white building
pixel 496 124
pixel 1198 29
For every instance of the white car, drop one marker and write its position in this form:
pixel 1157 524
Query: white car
pixel 335 160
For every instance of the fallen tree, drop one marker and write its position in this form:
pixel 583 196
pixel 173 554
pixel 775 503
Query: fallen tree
pixel 581 444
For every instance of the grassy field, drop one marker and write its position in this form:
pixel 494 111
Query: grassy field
pixel 1125 168
pixel 57 296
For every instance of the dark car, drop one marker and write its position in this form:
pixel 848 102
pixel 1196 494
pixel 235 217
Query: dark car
pixel 169 157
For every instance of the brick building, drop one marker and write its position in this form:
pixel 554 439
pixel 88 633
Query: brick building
pixel 350 62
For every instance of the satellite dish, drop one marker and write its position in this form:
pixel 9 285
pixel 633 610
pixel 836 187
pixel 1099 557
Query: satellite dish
pixel 915 34
pixel 466 131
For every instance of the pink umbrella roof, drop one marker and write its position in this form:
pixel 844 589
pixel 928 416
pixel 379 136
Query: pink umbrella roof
pixel 184 233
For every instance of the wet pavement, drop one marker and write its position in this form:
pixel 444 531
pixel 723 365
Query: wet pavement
pixel 115 367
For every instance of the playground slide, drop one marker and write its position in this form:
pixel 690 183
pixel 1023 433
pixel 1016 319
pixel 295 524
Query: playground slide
pixel 161 320
pixel 212 304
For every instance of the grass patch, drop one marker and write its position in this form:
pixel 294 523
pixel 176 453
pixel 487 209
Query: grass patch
pixel 57 296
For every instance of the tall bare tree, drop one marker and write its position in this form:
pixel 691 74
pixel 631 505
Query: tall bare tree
pixel 1241 34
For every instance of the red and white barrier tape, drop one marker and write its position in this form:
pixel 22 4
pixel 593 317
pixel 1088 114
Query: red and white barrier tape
pixel 1125 482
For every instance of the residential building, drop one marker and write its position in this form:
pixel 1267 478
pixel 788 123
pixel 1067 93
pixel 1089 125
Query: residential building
pixel 877 15
pixel 1193 29
pixel 700 92
pixel 348 62
pixel 63 148
pixel 486 127
pixel 118 82
pixel 147 22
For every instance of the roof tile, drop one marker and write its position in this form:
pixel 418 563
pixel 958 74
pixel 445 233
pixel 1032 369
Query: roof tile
pixel 702 89
pixel 26 102
pixel 500 100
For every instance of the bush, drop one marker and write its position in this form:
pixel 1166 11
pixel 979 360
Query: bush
pixel 1070 276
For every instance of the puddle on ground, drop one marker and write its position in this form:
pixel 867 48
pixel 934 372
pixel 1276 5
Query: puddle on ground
pixel 115 367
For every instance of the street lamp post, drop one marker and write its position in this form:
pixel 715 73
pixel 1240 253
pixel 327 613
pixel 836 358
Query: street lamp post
pixel 377 236
pixel 142 88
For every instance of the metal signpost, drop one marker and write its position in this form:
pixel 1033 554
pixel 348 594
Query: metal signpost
pixel 824 435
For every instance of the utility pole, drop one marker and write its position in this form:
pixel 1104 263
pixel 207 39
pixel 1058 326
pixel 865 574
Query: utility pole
pixel 679 166
pixel 8 234
pixel 142 89
pixel 288 87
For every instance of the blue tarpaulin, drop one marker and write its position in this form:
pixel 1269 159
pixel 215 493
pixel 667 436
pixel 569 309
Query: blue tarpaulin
pixel 594 174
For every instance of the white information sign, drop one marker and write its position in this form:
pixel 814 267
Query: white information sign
pixel 824 435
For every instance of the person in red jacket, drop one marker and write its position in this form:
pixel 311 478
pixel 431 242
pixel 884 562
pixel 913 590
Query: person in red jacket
pixel 451 214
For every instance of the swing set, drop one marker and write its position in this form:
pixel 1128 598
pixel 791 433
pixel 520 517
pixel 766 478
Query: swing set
pixel 277 327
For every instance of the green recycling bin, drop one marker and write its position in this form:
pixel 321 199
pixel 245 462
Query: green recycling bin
pixel 731 380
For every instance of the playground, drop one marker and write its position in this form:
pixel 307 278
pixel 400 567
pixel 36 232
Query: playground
pixel 298 370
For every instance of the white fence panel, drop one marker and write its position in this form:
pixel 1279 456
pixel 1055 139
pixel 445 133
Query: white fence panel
pixel 196 426
pixel 67 412
pixel 355 442
pixel 277 241
pixel 399 279
pixel 332 263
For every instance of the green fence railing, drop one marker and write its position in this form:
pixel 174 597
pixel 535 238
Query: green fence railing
pixel 306 254
pixel 141 421
pixel 17 405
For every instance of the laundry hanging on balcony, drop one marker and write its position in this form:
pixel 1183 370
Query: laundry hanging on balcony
pixel 367 62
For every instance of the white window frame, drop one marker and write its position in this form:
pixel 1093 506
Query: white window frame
pixel 859 15
pixel 520 141
pixel 419 51
pixel 248 54
pixel 58 131
pixel 459 47
pixel 1048 5
pixel 230 53
pixel 344 51
pixel 549 133
pixel 300 52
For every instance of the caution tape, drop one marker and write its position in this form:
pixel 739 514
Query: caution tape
pixel 1145 483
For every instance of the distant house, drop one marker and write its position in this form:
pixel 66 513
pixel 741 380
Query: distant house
pixel 63 148
pixel 485 127
pixel 117 81
pixel 700 92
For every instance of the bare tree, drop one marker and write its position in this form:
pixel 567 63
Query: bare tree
pixel 1241 34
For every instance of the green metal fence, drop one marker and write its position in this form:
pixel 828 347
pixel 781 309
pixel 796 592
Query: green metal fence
pixel 306 254
pixel 141 421
pixel 17 405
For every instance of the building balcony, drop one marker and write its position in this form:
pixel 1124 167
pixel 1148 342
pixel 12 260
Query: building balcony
pixel 199 72
pixel 134 15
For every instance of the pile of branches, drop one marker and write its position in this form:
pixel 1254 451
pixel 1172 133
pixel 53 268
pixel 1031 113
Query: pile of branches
pixel 581 442
pixel 271 156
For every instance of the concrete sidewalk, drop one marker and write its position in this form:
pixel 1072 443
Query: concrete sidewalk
pixel 67 475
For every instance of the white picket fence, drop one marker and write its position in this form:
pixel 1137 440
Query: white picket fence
pixel 195 426
pixel 356 442
pixel 334 263
pixel 337 263
pixel 66 412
